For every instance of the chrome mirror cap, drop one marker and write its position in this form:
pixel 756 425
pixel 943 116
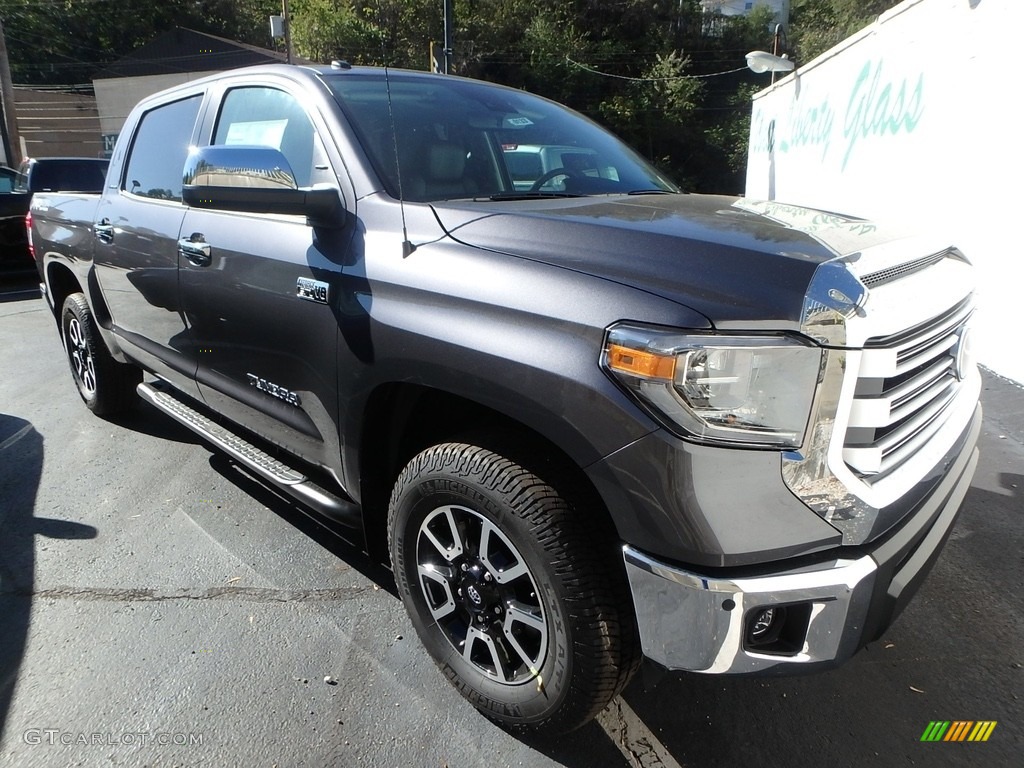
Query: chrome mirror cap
pixel 238 167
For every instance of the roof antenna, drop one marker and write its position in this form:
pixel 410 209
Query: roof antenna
pixel 407 247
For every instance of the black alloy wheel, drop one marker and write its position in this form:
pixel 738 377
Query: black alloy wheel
pixel 106 386
pixel 481 593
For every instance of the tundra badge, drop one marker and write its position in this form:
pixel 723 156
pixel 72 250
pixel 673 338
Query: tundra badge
pixel 272 389
pixel 312 290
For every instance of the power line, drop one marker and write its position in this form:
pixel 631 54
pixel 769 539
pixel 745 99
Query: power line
pixel 652 79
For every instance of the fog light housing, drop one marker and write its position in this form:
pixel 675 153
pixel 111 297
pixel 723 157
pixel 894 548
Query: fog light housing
pixel 763 623
pixel 777 629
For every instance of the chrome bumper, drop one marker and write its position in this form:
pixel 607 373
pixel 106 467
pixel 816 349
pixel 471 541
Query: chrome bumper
pixel 698 622
pixel 688 621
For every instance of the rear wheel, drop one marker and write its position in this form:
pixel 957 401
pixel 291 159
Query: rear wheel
pixel 510 589
pixel 105 385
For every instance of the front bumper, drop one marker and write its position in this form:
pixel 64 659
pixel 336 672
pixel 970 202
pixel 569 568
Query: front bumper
pixel 700 621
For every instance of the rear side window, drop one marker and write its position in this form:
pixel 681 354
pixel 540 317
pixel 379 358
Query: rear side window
pixel 158 153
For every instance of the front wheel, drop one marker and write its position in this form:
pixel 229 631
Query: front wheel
pixel 511 591
pixel 105 385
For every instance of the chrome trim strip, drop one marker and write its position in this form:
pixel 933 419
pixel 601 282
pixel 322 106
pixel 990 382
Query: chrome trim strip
pixel 888 407
pixel 807 472
pixel 930 329
pixel 923 355
pixel 887 453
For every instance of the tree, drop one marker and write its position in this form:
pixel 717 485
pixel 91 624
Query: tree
pixel 820 24
pixel 65 42
pixel 668 78
pixel 324 30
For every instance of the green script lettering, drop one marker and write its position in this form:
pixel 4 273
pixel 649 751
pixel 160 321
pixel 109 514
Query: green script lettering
pixel 874 110
pixel 813 127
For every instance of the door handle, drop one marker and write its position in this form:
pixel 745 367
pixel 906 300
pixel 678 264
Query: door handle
pixel 104 231
pixel 195 249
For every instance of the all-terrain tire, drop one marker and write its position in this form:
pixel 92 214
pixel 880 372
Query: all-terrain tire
pixel 517 595
pixel 105 385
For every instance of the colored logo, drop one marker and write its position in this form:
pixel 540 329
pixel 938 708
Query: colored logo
pixel 958 730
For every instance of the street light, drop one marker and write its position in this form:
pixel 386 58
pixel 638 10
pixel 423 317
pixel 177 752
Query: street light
pixel 762 61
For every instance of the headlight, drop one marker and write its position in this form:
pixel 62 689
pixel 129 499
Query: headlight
pixel 751 390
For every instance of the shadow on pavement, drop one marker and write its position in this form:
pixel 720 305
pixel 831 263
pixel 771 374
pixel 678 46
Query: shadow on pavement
pixel 588 747
pixel 21 463
pixel 147 420
pixel 344 543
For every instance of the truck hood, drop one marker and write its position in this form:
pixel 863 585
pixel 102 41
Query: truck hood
pixel 737 262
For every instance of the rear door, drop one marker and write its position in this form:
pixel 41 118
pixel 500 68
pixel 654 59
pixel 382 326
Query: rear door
pixel 136 241
pixel 261 294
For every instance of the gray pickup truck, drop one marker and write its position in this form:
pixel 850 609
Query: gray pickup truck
pixel 590 418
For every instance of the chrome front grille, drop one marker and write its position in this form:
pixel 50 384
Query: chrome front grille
pixel 905 386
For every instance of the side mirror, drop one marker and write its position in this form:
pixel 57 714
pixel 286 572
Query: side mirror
pixel 252 179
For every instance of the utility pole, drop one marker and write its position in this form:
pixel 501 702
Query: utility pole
pixel 449 26
pixel 11 139
pixel 287 30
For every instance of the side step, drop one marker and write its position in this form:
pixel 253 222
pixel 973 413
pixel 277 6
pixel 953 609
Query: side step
pixel 286 478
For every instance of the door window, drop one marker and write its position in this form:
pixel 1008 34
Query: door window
pixel 158 153
pixel 268 117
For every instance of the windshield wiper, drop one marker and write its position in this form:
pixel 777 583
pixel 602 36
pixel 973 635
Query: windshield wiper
pixel 651 192
pixel 530 195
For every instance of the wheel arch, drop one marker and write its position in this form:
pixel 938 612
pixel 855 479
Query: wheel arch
pixel 402 419
pixel 61 282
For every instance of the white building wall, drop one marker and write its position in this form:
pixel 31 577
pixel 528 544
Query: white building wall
pixel 915 121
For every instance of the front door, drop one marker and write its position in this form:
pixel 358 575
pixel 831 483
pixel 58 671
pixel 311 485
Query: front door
pixel 260 291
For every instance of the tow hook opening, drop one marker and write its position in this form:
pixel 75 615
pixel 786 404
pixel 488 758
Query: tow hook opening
pixel 777 629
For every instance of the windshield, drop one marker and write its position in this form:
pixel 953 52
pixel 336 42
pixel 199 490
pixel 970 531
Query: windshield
pixel 457 138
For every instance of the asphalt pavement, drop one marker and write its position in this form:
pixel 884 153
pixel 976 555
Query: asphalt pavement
pixel 159 607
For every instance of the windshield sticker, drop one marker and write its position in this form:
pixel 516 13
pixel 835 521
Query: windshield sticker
pixel 518 122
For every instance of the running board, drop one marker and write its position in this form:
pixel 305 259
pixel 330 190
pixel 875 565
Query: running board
pixel 288 479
